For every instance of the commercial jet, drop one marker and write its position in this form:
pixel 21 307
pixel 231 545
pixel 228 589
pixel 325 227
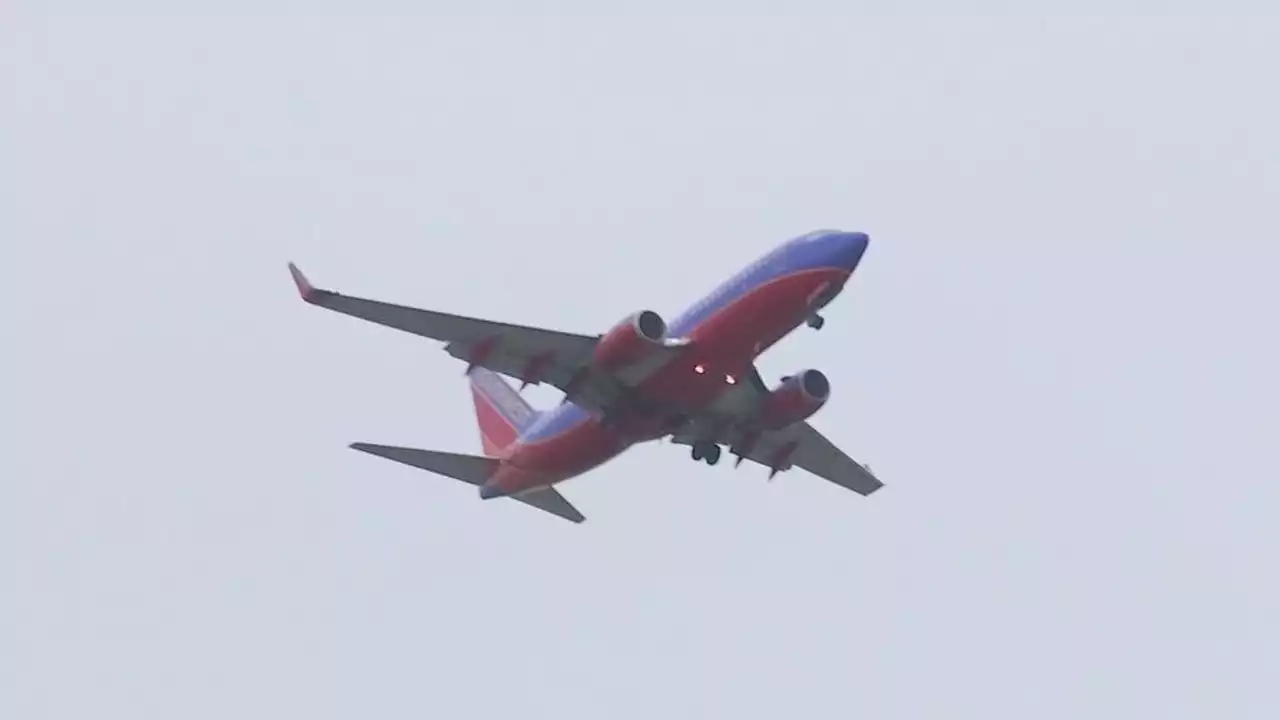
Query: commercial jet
pixel 692 380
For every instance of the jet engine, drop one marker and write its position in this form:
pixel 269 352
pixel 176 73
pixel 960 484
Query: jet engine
pixel 630 341
pixel 796 398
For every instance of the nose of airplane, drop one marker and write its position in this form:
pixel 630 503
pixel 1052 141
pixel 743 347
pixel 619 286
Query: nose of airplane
pixel 848 248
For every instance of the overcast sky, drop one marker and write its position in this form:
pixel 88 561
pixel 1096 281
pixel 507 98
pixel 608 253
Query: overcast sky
pixel 1060 353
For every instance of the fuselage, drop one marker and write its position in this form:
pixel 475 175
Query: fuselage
pixel 729 329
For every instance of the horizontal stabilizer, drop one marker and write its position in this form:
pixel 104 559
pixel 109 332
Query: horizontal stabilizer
pixel 549 500
pixel 467 468
pixel 472 470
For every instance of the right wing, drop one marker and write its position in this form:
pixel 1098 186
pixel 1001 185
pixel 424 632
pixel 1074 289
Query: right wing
pixel 812 451
pixel 797 445
pixel 530 354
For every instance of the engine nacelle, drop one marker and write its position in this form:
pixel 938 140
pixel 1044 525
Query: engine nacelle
pixel 630 341
pixel 797 398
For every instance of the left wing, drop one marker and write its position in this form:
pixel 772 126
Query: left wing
pixel 529 354
pixel 797 445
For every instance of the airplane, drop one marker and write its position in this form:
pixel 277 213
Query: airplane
pixel 692 381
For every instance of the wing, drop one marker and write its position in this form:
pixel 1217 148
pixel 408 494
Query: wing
pixel 529 354
pixel 797 445
pixel 811 450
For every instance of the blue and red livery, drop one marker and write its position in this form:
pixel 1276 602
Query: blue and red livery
pixel 692 380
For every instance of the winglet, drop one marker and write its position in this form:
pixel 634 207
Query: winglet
pixel 305 288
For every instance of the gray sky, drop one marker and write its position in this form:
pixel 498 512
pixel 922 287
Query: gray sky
pixel 1060 354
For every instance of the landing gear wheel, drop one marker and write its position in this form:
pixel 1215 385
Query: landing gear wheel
pixel 815 321
pixel 713 454
pixel 709 452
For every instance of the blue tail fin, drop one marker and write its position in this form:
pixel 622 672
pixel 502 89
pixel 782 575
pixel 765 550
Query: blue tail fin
pixel 501 412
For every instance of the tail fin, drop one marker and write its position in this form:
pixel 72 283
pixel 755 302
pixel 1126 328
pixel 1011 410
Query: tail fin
pixel 501 412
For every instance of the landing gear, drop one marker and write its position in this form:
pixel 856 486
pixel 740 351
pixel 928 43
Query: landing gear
pixel 815 321
pixel 713 457
pixel 709 452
